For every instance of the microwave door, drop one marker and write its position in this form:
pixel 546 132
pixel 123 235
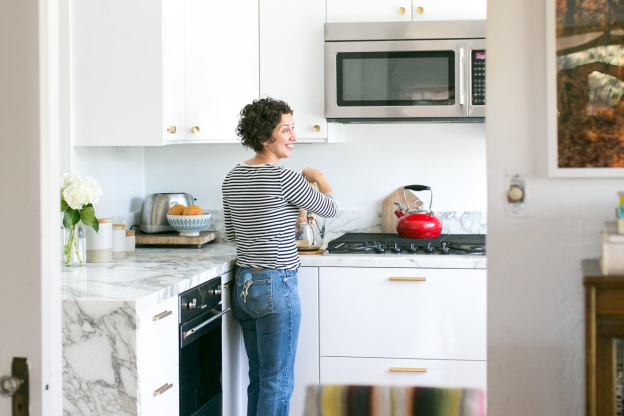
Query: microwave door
pixel 476 78
pixel 394 79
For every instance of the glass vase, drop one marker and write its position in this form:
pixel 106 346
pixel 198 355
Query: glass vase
pixel 74 245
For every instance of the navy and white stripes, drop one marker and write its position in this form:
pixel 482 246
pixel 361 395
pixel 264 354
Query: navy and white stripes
pixel 260 205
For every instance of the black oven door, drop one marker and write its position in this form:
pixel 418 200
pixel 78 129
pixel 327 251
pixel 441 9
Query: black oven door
pixel 201 364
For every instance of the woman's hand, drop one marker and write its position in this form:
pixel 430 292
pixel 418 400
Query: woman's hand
pixel 316 176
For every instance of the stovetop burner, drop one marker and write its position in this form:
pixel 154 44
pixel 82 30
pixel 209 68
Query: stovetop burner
pixel 380 243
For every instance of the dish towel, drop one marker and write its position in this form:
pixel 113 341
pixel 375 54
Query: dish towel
pixel 354 400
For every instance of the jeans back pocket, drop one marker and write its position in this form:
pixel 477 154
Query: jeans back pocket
pixel 255 296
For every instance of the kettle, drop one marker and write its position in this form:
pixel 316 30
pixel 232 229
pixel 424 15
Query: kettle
pixel 309 229
pixel 417 223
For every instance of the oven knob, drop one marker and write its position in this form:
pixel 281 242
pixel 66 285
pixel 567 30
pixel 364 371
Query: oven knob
pixel 380 248
pixel 444 249
pixel 192 305
pixel 215 292
pixel 429 248
pixel 413 248
pixel 396 248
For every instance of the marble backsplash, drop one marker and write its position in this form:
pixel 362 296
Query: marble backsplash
pixel 453 222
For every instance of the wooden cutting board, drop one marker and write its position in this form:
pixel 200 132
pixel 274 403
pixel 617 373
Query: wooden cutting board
pixel 388 219
pixel 174 238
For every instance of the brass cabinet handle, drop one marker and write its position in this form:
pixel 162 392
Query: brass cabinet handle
pixel 162 389
pixel 195 129
pixel 161 315
pixel 408 370
pixel 172 129
pixel 407 279
pixel 420 10
pixel 401 10
pixel 316 128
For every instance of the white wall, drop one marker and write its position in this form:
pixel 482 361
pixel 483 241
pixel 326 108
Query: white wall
pixel 535 294
pixel 120 172
pixel 375 160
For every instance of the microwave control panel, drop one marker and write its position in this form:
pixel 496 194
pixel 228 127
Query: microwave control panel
pixel 478 77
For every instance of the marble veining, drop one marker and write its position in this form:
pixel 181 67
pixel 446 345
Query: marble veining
pixel 99 358
pixel 369 221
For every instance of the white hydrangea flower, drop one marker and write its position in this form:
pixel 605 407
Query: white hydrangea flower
pixel 80 190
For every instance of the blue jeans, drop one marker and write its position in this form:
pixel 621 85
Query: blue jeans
pixel 266 304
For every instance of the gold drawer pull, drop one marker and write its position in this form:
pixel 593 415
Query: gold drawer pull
pixel 408 370
pixel 162 389
pixel 161 315
pixel 407 279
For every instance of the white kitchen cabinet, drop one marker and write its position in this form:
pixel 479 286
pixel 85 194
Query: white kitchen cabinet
pixel 402 315
pixel 148 73
pixel 307 359
pixel 157 358
pixel 402 372
pixel 404 10
pixel 369 11
pixel 126 71
pixel 448 10
pixel 222 73
pixel 159 397
pixel 292 65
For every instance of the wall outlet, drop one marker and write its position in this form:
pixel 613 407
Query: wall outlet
pixel 515 196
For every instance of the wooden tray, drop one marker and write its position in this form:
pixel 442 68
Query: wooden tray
pixel 307 252
pixel 174 238
pixel 388 219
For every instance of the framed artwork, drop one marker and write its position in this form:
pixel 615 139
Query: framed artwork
pixel 585 81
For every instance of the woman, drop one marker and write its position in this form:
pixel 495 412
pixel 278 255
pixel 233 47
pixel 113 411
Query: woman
pixel 261 202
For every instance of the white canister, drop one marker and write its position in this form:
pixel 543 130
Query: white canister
pixel 100 244
pixel 119 241
pixel 130 242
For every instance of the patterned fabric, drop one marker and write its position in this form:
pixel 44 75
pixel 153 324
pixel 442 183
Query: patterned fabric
pixel 346 400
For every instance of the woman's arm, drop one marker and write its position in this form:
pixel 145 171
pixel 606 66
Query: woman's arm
pixel 316 176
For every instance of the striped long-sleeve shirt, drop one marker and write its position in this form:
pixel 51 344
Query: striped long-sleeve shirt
pixel 260 207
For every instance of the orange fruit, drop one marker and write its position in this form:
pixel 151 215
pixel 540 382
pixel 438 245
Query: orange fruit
pixel 193 210
pixel 177 209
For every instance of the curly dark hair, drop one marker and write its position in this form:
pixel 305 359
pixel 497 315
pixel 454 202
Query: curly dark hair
pixel 258 120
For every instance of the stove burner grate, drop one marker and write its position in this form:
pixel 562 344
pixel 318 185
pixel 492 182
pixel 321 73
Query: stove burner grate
pixel 381 243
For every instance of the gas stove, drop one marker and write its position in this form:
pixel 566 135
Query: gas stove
pixel 380 243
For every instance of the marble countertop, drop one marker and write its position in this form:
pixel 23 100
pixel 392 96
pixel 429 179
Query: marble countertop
pixel 153 274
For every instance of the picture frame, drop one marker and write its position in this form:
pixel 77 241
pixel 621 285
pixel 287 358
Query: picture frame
pixel 585 88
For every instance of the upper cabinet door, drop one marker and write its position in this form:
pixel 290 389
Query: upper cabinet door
pixel 117 71
pixel 369 11
pixel 404 10
pixel 449 10
pixel 221 67
pixel 291 63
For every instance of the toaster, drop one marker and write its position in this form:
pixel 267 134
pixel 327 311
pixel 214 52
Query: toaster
pixel 155 208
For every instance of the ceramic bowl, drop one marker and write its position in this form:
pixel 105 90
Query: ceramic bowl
pixel 190 225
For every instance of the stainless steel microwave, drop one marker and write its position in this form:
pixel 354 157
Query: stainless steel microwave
pixel 403 71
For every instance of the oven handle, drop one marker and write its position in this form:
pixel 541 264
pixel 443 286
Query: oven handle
pixel 203 324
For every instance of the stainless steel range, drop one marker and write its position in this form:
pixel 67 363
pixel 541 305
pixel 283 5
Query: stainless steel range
pixel 380 243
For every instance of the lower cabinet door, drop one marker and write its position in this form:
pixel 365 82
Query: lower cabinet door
pixel 160 396
pixel 402 372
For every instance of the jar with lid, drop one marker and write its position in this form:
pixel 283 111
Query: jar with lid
pixel 119 241
pixel 130 242
pixel 100 243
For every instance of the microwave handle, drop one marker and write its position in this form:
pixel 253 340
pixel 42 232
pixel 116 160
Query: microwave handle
pixel 461 76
